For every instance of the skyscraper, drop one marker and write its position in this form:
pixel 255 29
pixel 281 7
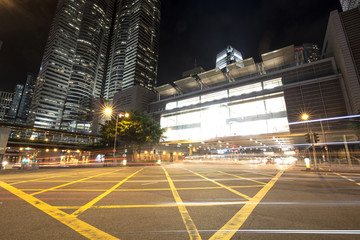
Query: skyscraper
pixel 5 104
pixel 349 4
pixel 227 56
pixel 26 98
pixel 18 93
pixel 95 48
pixel 134 49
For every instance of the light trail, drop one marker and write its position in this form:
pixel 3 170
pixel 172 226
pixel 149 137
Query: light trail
pixel 325 119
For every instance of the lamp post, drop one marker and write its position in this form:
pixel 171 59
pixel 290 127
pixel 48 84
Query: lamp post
pixel 108 112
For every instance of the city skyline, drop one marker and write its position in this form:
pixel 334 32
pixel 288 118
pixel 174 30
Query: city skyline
pixel 187 33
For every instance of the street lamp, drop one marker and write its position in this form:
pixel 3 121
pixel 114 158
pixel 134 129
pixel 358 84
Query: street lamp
pixel 305 116
pixel 108 112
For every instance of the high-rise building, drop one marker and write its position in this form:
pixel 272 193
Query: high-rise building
pixel 349 4
pixel 18 93
pixel 134 49
pixel 95 48
pixel 227 56
pixel 21 100
pixel 5 104
pixel 27 95
pixel 342 42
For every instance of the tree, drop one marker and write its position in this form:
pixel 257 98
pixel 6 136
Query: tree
pixel 134 131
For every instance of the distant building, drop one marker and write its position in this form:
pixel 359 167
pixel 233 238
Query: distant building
pixel 227 56
pixel 26 99
pixel 349 4
pixel 307 53
pixel 18 93
pixel 342 41
pixel 5 104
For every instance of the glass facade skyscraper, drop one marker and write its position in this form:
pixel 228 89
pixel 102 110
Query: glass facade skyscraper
pixel 349 4
pixel 134 50
pixel 227 56
pixel 95 48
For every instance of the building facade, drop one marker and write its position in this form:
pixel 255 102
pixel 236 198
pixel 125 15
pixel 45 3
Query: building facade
pixel 248 101
pixel 341 41
pixel 227 56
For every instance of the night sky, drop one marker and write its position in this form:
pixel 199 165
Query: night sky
pixel 191 31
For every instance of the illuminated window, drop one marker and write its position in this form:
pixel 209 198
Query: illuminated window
pixel 272 83
pixel 214 96
pixel 256 87
pixel 188 102
pixel 171 105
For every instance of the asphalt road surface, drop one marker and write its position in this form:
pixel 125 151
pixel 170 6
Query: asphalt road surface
pixel 180 201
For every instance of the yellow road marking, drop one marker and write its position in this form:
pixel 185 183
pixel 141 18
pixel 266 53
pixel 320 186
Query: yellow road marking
pixel 189 224
pixel 230 228
pixel 66 184
pixel 264 174
pixel 222 185
pixel 133 190
pixel 160 205
pixel 95 200
pixel 35 180
pixel 349 179
pixel 79 226
pixel 249 179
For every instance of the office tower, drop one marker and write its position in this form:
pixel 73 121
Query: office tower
pixel 73 65
pixel 18 93
pixel 227 56
pixel 349 4
pixel 307 53
pixel 5 104
pixel 95 48
pixel 134 49
pixel 21 100
pixel 26 98
pixel 342 42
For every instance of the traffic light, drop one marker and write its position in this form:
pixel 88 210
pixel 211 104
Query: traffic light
pixel 308 138
pixel 316 137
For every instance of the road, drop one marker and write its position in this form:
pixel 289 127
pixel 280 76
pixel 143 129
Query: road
pixel 180 201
